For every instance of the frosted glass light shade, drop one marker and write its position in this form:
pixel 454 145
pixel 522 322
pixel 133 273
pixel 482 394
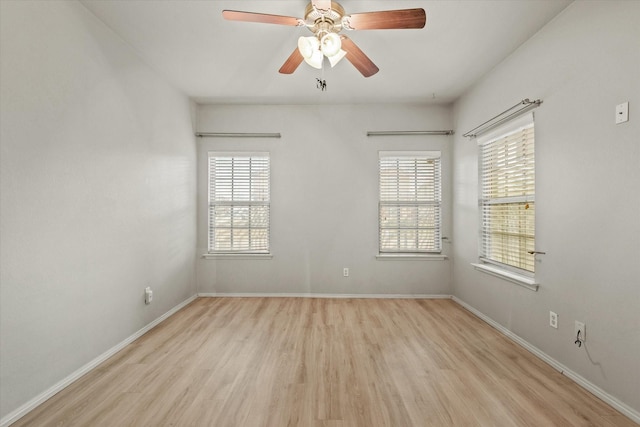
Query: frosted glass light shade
pixel 316 59
pixel 333 60
pixel 330 44
pixel 307 46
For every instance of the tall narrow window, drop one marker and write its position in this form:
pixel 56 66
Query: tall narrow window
pixel 410 198
pixel 239 202
pixel 507 195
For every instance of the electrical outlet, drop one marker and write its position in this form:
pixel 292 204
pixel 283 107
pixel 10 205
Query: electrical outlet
pixel 553 319
pixel 345 272
pixel 582 329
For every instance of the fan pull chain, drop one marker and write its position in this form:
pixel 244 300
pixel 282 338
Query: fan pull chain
pixel 321 83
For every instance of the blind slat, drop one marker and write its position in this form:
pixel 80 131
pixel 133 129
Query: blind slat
pixel 507 191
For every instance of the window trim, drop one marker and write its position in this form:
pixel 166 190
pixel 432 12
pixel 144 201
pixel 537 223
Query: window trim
pixel 229 255
pixel 413 255
pixel 527 282
pixel 238 254
pixel 406 256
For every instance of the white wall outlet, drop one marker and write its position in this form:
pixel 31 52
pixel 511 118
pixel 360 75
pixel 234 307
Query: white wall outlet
pixel 345 272
pixel 581 328
pixel 622 113
pixel 553 319
pixel 148 295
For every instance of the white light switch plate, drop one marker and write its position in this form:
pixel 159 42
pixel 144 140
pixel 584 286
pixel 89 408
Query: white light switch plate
pixel 622 113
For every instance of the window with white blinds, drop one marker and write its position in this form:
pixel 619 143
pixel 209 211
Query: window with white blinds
pixel 239 202
pixel 410 198
pixel 507 195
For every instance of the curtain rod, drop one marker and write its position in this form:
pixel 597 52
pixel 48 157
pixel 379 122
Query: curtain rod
pixel 237 135
pixel 409 132
pixel 524 105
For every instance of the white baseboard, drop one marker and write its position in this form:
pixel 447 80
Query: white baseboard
pixel 65 382
pixel 578 379
pixel 314 295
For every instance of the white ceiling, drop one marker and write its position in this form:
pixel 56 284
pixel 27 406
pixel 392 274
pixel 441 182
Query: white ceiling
pixel 217 61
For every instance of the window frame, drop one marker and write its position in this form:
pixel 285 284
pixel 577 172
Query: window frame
pixel 509 271
pixel 415 252
pixel 240 251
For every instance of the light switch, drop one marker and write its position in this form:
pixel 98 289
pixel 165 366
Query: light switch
pixel 622 113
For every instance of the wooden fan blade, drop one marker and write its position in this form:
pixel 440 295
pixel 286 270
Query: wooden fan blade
pixel 237 15
pixel 358 58
pixel 291 64
pixel 388 19
pixel 321 4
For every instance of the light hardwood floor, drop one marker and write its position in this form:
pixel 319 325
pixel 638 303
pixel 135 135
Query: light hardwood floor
pixel 323 362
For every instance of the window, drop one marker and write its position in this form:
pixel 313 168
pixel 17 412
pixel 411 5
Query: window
pixel 410 198
pixel 239 202
pixel 507 195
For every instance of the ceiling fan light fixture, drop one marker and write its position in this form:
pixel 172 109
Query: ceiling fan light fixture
pixel 315 60
pixel 330 44
pixel 333 60
pixel 308 46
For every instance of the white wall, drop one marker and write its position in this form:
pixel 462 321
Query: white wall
pixel 324 183
pixel 97 194
pixel 581 65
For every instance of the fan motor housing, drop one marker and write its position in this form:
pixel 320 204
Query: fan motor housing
pixel 319 22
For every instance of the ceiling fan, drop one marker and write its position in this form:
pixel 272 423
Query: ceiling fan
pixel 326 19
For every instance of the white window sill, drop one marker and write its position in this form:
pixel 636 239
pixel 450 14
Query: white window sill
pixel 410 257
pixel 527 282
pixel 237 256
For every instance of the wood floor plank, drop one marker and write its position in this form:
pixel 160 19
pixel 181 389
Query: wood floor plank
pixel 327 363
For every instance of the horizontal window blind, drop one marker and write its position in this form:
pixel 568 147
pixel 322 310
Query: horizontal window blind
pixel 239 202
pixel 507 197
pixel 409 206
